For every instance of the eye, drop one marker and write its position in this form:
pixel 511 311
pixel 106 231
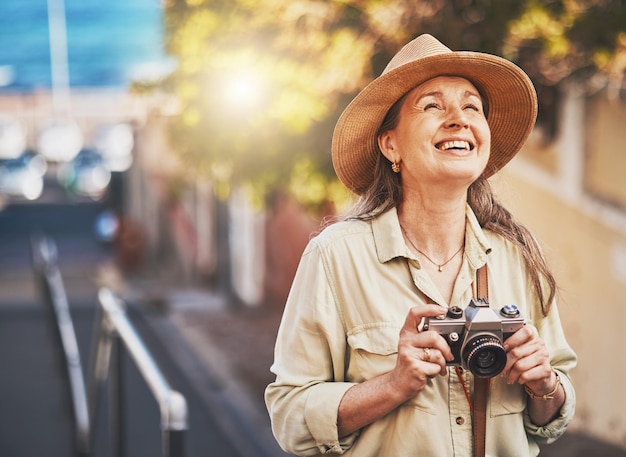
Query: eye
pixel 473 107
pixel 431 106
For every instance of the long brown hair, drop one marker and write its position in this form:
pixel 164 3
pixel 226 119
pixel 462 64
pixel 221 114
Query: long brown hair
pixel 385 192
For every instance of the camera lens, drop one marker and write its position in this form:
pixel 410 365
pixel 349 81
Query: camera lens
pixel 484 356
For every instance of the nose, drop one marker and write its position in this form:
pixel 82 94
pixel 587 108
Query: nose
pixel 457 118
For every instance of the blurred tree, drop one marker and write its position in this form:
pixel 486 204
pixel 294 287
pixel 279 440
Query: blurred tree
pixel 569 40
pixel 260 83
pixel 581 39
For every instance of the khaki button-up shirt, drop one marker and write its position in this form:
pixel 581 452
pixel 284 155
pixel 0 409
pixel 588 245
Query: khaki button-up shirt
pixel 341 324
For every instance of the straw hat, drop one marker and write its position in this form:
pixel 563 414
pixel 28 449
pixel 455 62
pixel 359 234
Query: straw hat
pixel 510 95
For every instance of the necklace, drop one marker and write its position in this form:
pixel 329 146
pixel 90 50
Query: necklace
pixel 438 265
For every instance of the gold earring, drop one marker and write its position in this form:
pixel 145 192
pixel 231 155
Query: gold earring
pixel 395 167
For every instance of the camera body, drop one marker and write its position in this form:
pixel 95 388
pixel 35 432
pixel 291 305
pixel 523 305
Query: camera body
pixel 476 334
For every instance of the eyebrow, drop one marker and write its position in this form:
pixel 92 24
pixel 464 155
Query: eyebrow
pixel 437 93
pixel 434 93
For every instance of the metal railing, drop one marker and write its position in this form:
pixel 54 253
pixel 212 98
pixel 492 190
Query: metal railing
pixel 114 331
pixel 114 328
pixel 44 254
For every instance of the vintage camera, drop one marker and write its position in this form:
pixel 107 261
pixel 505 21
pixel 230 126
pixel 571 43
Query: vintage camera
pixel 476 335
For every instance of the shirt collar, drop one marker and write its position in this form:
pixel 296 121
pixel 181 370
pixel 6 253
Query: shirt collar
pixel 390 242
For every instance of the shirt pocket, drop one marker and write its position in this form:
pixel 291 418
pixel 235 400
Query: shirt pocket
pixel 505 398
pixel 373 350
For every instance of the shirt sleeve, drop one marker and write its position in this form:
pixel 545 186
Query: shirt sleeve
pixel 563 359
pixel 309 363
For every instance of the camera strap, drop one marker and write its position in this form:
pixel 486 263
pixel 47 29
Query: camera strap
pixel 481 385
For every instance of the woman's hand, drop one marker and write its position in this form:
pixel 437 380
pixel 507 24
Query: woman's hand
pixel 528 363
pixel 421 355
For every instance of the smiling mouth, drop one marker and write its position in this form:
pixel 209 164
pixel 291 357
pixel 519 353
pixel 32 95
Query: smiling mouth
pixel 455 146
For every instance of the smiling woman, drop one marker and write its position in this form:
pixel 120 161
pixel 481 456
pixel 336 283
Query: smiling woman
pixel 357 373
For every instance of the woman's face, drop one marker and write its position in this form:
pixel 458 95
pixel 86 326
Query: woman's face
pixel 442 135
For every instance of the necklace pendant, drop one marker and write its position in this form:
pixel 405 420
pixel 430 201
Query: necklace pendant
pixel 440 268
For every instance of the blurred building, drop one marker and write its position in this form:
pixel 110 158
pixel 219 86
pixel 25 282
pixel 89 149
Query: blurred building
pixel 571 193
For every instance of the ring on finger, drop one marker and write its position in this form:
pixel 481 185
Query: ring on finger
pixel 426 356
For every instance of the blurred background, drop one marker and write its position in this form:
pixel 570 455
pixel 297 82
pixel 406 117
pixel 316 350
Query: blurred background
pixel 178 153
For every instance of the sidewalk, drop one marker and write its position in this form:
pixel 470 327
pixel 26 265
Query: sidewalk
pixel 236 345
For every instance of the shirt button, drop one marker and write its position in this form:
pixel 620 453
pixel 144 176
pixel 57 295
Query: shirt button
pixel 460 420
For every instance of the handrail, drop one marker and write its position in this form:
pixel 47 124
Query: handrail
pixel 172 404
pixel 44 254
pixel 114 323
pixel 112 327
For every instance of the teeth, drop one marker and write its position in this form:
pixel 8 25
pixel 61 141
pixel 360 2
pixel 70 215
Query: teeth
pixel 455 145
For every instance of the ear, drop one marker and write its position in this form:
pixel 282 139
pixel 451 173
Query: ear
pixel 387 145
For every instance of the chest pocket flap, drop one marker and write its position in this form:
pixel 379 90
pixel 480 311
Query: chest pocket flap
pixel 380 338
pixel 373 350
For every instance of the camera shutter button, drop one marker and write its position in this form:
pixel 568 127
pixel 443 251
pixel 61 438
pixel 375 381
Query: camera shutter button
pixel 510 311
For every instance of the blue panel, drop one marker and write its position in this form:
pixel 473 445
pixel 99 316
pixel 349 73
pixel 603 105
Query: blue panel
pixel 106 41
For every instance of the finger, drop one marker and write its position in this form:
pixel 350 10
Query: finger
pixel 443 349
pixel 433 340
pixel 525 358
pixel 522 336
pixel 529 373
pixel 417 313
pixel 412 367
pixel 537 373
pixel 436 357
pixel 518 346
pixel 433 367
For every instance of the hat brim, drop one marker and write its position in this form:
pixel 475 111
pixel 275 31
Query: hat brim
pixel 511 97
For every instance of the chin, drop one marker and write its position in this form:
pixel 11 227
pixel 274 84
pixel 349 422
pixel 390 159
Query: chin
pixel 466 176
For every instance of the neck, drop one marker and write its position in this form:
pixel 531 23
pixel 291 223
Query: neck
pixel 423 221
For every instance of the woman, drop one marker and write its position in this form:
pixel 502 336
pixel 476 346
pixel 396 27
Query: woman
pixel 356 372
